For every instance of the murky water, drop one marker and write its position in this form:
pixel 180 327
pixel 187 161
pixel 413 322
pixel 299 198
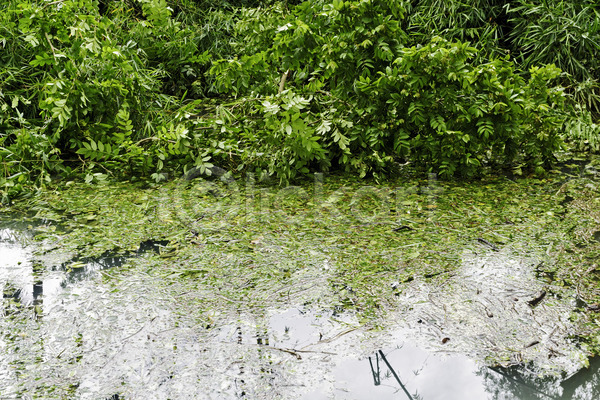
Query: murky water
pixel 68 332
pixel 496 304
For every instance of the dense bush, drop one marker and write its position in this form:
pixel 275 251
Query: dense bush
pixel 92 84
pixel 144 87
pixel 370 101
pixel 566 33
pixel 483 23
pixel 66 79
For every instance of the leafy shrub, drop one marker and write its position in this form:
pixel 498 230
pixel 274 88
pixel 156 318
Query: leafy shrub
pixel 483 23
pixel 376 101
pixel 94 82
pixel 583 133
pixel 68 65
pixel 566 33
pixel 454 116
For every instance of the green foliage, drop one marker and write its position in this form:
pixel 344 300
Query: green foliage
pixel 155 87
pixel 455 116
pixel 566 33
pixel 479 22
pixel 67 65
pixel 283 139
pixel 377 101
pixel 94 82
pixel 583 132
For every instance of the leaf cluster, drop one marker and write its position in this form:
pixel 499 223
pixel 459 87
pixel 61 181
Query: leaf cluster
pixel 98 85
pixel 377 101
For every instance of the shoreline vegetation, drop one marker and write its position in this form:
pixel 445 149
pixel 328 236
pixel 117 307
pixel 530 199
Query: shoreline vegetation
pixel 150 89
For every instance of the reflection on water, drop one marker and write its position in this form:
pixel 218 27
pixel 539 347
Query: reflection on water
pixel 405 372
pixel 97 342
pixel 20 281
pixel 87 268
pixel 408 372
pixel 16 277
pixel 491 309
pixel 400 371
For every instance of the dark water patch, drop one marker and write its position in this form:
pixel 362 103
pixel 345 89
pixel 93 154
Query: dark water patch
pixel 151 246
pixel 80 268
pixel 27 282
pixel 574 167
pixel 30 224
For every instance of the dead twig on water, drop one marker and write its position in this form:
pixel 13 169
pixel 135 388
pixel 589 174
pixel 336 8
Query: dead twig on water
pixel 294 352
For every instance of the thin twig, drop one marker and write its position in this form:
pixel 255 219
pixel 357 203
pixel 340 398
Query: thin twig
pixel 331 339
pixel 51 47
pixel 282 81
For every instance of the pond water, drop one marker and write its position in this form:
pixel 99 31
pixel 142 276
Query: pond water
pixel 71 331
